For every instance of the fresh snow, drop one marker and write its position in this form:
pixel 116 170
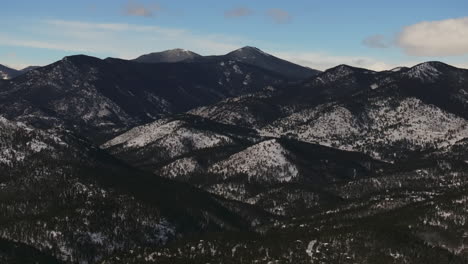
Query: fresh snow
pixel 180 167
pixel 397 69
pixel 175 137
pixel 388 123
pixel 424 71
pixel 266 161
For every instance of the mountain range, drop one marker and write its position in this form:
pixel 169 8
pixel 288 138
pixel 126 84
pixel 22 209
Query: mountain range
pixel 247 55
pixel 243 158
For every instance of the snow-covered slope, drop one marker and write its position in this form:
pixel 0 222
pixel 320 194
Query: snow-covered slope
pixel 181 168
pixel 252 110
pixel 171 138
pixel 266 161
pixel 63 196
pixel 380 126
pixel 15 151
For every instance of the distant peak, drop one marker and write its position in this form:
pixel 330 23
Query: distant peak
pixel 79 57
pixel 249 50
pixel 348 68
pixel 173 55
pixel 427 71
pixel 432 64
pixel 341 68
pixel 428 66
pixel 178 50
pixel 341 71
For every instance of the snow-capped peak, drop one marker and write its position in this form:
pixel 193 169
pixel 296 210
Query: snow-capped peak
pixel 249 51
pixel 178 51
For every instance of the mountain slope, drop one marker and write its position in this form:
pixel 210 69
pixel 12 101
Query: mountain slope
pixel 260 109
pixel 343 108
pixel 101 98
pixel 67 199
pixel 388 115
pixel 237 163
pixel 386 128
pixel 256 57
pixel 413 211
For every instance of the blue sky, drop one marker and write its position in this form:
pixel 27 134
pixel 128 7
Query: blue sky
pixel 316 33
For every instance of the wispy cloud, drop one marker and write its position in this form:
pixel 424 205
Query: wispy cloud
pixel 435 38
pixel 134 8
pixel 279 16
pixel 376 41
pixel 238 12
pixel 77 26
pixel 116 39
pixel 323 60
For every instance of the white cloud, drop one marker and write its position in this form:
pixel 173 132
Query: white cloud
pixel 323 61
pixel 113 27
pixel 435 38
pixel 10 40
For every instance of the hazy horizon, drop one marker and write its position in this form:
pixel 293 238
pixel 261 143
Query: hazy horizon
pixel 78 54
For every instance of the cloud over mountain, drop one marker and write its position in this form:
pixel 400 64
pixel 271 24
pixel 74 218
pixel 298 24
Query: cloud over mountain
pixel 435 38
